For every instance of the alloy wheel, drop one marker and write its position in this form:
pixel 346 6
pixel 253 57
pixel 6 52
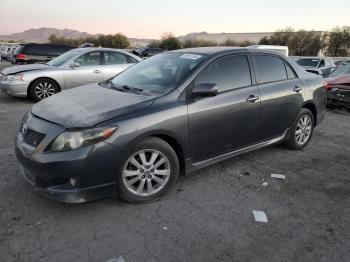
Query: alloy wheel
pixel 44 90
pixel 146 172
pixel 303 129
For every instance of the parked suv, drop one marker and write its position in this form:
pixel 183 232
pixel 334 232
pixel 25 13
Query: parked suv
pixel 35 53
pixel 170 114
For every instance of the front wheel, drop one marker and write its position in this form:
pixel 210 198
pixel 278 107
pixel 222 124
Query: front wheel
pixel 149 171
pixel 43 88
pixel 302 130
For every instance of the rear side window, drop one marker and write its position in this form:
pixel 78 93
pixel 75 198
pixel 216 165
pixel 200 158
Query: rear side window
pixel 89 59
pixel 227 73
pixel 269 69
pixel 18 50
pixel 290 72
pixel 132 60
pixel 115 58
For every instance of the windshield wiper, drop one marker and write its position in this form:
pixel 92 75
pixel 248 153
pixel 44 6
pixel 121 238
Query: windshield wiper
pixel 127 88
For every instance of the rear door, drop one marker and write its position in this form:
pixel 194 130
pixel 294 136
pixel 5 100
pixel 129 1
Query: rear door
pixel 115 62
pixel 89 70
pixel 230 120
pixel 281 94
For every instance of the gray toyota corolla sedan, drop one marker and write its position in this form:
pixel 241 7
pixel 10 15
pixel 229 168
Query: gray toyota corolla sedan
pixel 74 68
pixel 168 115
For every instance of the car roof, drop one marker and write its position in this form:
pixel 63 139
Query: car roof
pixel 208 50
pixel 215 50
pixel 88 49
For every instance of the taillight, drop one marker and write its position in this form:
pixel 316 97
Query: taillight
pixel 325 86
pixel 20 56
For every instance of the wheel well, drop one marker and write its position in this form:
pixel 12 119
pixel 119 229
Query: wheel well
pixel 313 110
pixel 177 148
pixel 31 83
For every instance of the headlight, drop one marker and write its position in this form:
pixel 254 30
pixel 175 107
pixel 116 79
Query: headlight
pixel 72 140
pixel 18 77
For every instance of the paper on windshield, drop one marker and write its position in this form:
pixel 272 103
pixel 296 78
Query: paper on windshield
pixel 191 56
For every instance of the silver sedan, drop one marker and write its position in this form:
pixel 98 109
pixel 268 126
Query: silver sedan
pixel 77 67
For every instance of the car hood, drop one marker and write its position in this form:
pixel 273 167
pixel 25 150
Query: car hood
pixel 89 105
pixel 25 68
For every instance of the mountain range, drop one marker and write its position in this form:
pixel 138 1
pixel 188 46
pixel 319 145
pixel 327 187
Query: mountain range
pixel 42 35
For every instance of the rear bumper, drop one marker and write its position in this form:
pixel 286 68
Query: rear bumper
pixel 338 100
pixel 18 89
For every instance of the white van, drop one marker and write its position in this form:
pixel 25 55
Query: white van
pixel 277 48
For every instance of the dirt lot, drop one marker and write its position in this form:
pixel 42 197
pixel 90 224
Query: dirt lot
pixel 208 217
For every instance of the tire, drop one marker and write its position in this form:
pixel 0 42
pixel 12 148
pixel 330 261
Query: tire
pixel 301 133
pixel 43 88
pixel 141 182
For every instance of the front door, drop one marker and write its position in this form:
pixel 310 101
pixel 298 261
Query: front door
pixel 230 120
pixel 88 70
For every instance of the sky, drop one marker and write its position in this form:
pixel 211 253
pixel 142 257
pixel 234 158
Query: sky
pixel 150 19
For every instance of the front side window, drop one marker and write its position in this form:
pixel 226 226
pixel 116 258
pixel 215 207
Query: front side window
pixel 64 58
pixel 227 73
pixel 160 73
pixel 269 69
pixel 115 58
pixel 322 63
pixel 89 59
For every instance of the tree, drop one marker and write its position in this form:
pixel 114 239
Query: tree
pixel 305 43
pixel 337 42
pixel 113 41
pixel 300 43
pixel 188 43
pixel 230 42
pixel 280 37
pixel 154 44
pixel 120 41
pixel 170 42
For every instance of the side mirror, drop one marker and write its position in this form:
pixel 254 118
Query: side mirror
pixel 74 65
pixel 204 90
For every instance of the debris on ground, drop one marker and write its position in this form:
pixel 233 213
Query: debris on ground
pixel 278 176
pixel 165 228
pixel 265 184
pixel 117 259
pixel 246 173
pixel 260 216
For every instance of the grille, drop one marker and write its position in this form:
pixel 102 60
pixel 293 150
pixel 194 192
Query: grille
pixel 32 137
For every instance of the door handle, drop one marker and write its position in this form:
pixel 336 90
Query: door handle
pixel 252 98
pixel 97 71
pixel 297 89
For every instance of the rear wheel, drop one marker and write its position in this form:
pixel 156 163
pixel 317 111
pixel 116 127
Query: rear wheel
pixel 43 88
pixel 302 130
pixel 149 171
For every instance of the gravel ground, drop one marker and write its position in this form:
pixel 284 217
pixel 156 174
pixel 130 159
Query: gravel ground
pixel 207 217
pixel 4 65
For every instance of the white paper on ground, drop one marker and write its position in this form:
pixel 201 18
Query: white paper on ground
pixel 278 176
pixel 260 216
pixel 116 259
